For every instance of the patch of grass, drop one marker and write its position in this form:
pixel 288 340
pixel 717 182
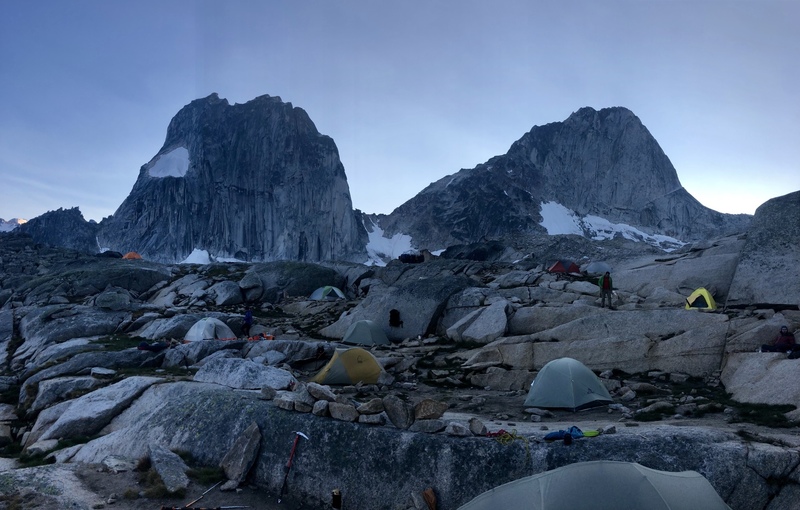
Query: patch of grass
pixel 154 487
pixel 72 441
pixel 763 414
pixel 26 460
pixel 130 493
pixel 206 476
pixel 13 501
pixel 119 342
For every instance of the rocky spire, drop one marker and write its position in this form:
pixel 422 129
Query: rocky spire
pixel 253 181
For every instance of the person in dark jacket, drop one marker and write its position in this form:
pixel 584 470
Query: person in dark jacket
pixel 606 290
pixel 784 342
pixel 248 322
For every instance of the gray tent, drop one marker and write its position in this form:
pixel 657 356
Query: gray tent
pixel 566 383
pixel 603 485
pixel 365 332
pixel 598 268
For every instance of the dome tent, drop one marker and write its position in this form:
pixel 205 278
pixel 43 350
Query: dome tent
pixel 328 292
pixel 132 255
pixel 365 332
pixel 350 366
pixel 603 485
pixel 597 268
pixel 209 328
pixel 564 267
pixel 700 299
pixel 566 383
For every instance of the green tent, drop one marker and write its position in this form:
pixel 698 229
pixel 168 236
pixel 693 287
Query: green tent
pixel 603 485
pixel 567 383
pixel 365 332
pixel 327 292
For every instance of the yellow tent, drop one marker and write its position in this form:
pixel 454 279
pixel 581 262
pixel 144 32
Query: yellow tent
pixel 701 299
pixel 350 366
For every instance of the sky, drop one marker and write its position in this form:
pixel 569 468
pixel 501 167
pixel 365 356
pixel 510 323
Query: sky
pixel 410 91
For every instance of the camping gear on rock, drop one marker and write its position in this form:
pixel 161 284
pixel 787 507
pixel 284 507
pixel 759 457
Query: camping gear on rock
pixel 329 293
pixel 350 366
pixel 603 485
pixel 700 299
pixel 288 465
pixel 132 255
pixel 209 328
pixel 566 383
pixel 365 332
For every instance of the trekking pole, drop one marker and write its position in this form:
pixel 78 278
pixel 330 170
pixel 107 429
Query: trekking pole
pixel 288 465
pixel 203 494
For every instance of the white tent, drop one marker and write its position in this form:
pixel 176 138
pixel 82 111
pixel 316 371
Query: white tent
pixel 209 329
pixel 567 383
pixel 603 485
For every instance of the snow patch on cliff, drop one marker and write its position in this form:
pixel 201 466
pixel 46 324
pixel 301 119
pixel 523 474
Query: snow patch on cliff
pixel 174 163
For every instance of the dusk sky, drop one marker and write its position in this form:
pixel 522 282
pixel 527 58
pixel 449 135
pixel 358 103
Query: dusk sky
pixel 409 90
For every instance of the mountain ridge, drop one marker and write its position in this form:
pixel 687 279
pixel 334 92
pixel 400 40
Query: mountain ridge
pixel 257 182
pixel 604 163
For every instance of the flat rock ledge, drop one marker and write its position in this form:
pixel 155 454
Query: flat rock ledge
pixel 386 467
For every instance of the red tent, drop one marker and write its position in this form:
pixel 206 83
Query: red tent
pixel 564 266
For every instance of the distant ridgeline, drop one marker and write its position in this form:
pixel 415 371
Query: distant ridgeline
pixel 258 182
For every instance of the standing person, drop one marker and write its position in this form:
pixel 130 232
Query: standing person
pixel 784 342
pixel 606 288
pixel 248 322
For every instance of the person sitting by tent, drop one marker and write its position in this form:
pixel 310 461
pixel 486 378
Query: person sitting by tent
pixel 248 322
pixel 606 289
pixel 784 342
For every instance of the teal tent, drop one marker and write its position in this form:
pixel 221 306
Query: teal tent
pixel 365 332
pixel 566 383
pixel 603 485
pixel 327 292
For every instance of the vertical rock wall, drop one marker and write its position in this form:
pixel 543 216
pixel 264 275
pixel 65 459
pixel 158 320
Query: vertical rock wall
pixel 253 181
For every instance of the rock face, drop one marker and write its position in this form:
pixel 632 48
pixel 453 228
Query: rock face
pixel 253 181
pixel 769 266
pixel 604 163
pixel 65 228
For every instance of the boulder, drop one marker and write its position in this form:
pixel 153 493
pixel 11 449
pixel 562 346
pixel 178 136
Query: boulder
pixel 170 468
pixel 59 388
pixel 771 256
pixel 113 298
pixel 226 293
pixel 244 374
pixel 242 455
pixel 419 301
pixel 88 414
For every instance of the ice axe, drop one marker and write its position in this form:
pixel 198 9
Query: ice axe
pixel 288 465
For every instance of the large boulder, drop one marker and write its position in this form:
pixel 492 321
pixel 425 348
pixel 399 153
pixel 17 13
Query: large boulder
pixel 285 278
pixel 762 378
pixel 88 414
pixel 770 260
pixel 44 326
pixel 420 303
pixel 244 374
